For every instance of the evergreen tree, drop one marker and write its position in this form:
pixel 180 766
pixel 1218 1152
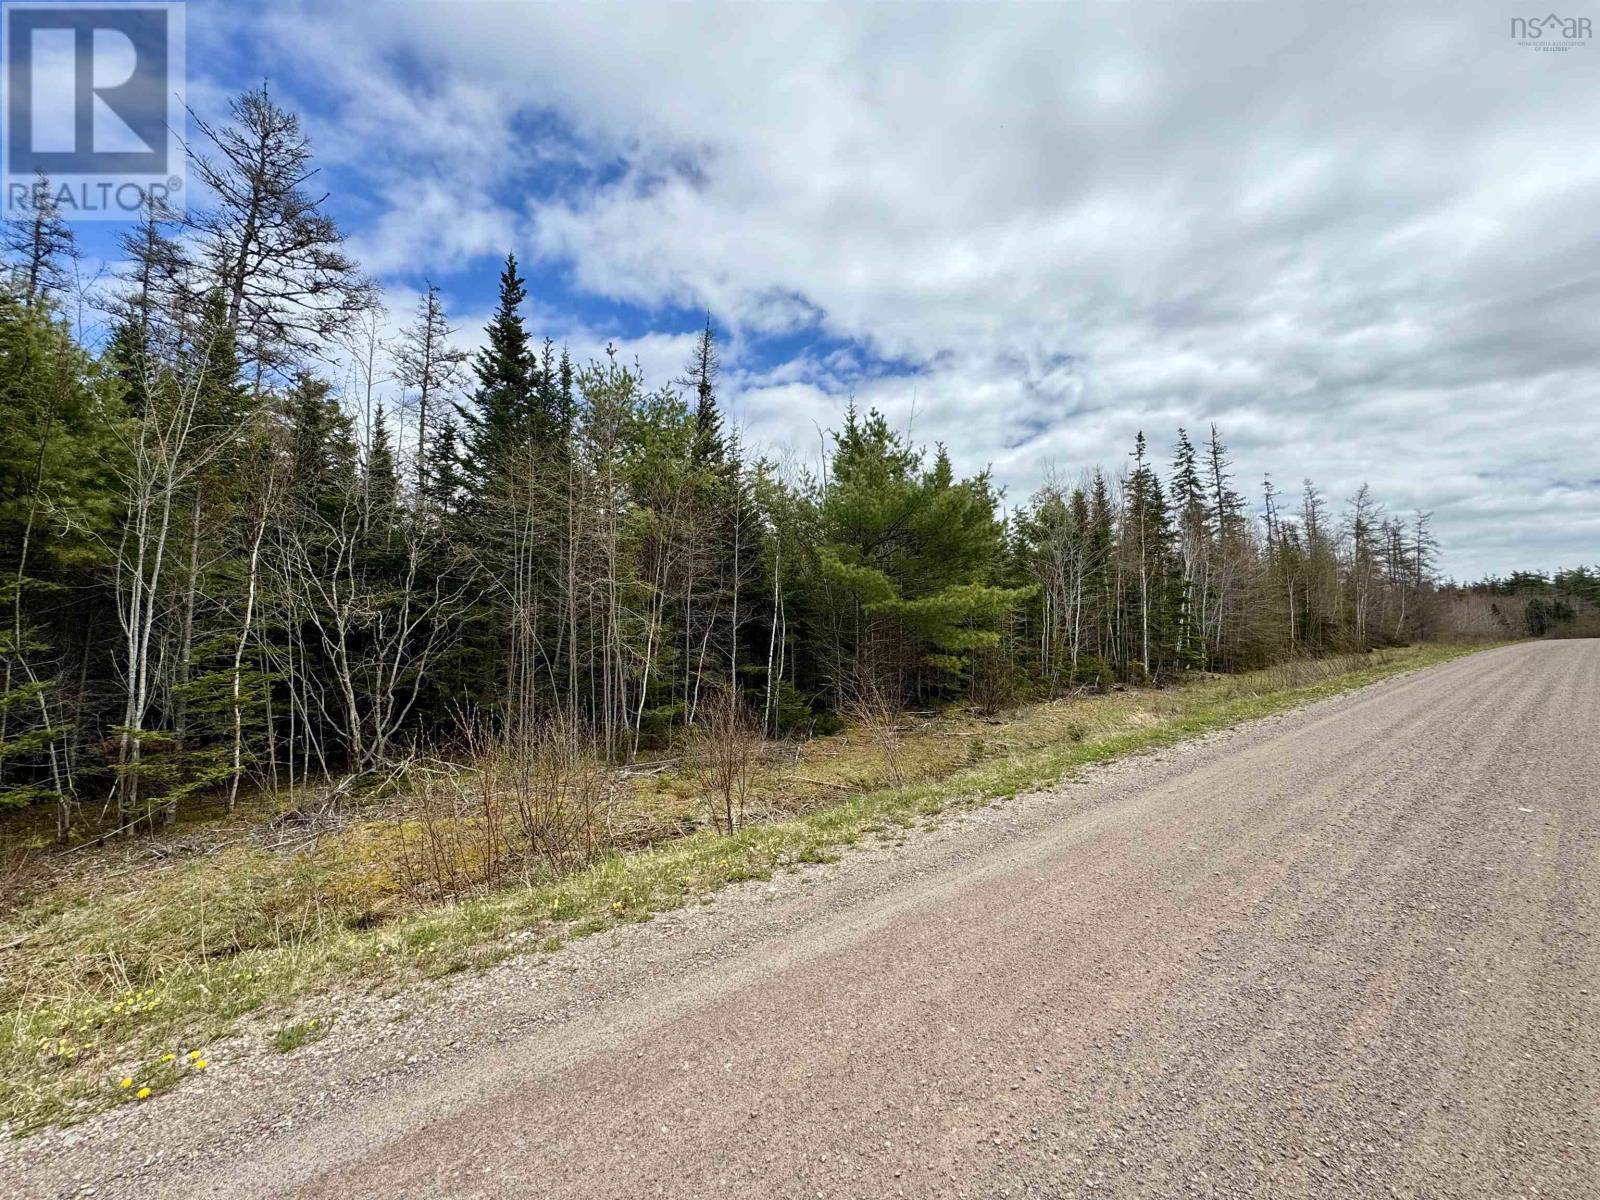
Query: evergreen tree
pixel 1147 542
pixel 705 365
pixel 220 416
pixel 444 484
pixel 1102 578
pixel 40 245
pixel 500 415
pixel 276 254
pixel 1195 548
pixel 426 362
pixel 202 578
pixel 914 551
pixel 381 472
pixel 322 452
pixel 60 445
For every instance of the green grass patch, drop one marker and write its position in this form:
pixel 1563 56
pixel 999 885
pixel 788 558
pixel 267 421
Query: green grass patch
pixel 302 1033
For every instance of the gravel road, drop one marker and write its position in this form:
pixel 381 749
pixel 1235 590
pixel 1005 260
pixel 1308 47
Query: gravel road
pixel 1347 951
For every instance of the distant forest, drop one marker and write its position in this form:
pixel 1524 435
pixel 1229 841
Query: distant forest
pixel 251 543
pixel 1527 604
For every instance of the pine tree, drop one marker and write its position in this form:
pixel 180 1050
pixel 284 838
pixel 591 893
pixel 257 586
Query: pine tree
pixel 914 552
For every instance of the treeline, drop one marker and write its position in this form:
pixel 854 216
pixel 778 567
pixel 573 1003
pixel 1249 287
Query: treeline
pixel 1564 603
pixel 230 565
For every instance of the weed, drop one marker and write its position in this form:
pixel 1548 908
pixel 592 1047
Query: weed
pixel 301 1033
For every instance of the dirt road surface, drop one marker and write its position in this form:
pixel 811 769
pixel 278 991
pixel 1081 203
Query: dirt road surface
pixel 1349 951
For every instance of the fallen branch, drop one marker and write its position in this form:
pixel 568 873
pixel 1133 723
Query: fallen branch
pixel 843 787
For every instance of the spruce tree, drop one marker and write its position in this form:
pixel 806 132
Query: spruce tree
pixel 1101 584
pixel 499 414
pixel 381 473
pixel 321 446
pixel 426 362
pixel 40 244
pixel 1189 509
pixel 1147 541
pixel 277 255
pixel 60 446
pixel 705 365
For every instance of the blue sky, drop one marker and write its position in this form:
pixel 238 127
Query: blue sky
pixel 1360 239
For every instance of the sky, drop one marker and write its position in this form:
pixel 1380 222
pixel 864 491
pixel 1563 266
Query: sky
pixel 1364 240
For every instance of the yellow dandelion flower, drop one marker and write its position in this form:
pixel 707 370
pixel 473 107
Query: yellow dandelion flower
pixel 194 1054
pixel 168 1057
pixel 143 1093
pixel 124 1083
pixel 200 1064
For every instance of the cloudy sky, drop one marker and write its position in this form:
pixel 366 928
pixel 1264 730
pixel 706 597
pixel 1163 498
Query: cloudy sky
pixel 1363 239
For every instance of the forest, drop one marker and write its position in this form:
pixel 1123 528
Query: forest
pixel 250 544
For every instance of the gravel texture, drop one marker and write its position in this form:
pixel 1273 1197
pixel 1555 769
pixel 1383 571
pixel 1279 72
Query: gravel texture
pixel 1346 951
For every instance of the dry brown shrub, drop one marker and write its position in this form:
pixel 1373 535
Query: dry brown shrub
pixel 537 804
pixel 725 752
pixel 875 708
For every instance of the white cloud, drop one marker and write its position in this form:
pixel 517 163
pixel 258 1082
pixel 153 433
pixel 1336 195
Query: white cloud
pixel 1360 239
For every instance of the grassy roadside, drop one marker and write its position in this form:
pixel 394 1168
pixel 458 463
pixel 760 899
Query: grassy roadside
pixel 108 999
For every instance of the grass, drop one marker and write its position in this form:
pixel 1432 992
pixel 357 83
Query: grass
pixel 128 963
pixel 302 1033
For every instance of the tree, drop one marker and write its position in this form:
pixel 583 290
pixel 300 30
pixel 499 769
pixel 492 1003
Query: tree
pixel 223 410
pixel 376 612
pixel 1193 516
pixel 426 361
pixel 1147 540
pixel 171 443
pixel 59 452
pixel 218 567
pixel 501 413
pixel 381 474
pixel 276 255
pixel 1233 556
pixel 705 365
pixel 155 307
pixel 1362 524
pixel 1060 554
pixel 39 244
pixel 912 552
pixel 516 485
